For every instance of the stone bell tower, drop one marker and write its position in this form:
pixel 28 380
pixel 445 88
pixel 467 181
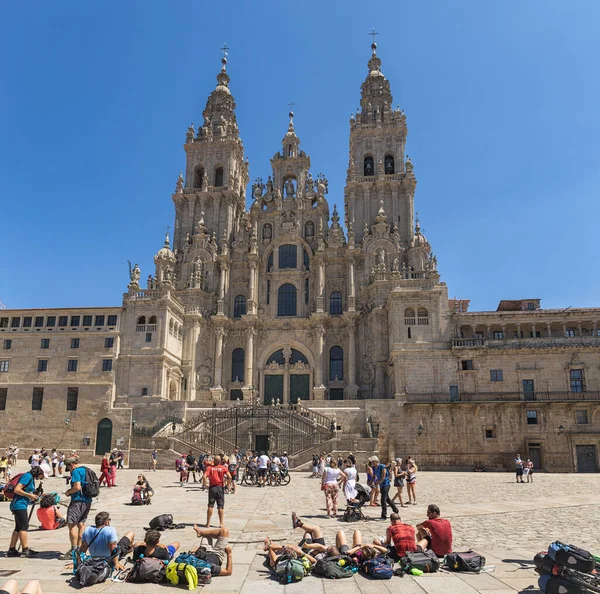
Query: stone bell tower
pixel 212 191
pixel 377 172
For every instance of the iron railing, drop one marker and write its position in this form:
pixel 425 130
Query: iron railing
pixel 292 428
pixel 151 431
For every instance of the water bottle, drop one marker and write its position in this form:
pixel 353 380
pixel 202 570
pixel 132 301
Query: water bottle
pixel 415 571
pixel 488 569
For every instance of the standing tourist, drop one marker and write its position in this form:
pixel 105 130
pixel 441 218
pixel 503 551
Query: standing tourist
pixel 528 470
pixel 24 495
pixel 3 466
pixel 411 481
pixel 80 505
pixel 190 460
pixel 382 480
pixel 54 461
pixel 154 460
pixel 329 484
pixel 120 458
pixel 315 466
pixel 263 464
pixel 398 474
pixel 233 470
pixel 519 468
pixel 113 462
pixel 216 479
pixel 105 471
pixel 61 463
pixel 350 483
pixel 372 482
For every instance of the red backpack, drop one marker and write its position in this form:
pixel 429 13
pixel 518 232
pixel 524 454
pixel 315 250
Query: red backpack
pixel 9 489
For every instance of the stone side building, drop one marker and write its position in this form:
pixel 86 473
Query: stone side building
pixel 278 303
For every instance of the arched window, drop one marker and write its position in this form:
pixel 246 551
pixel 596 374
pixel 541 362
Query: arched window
pixel 389 164
pixel 270 262
pixel 286 300
pixel 297 357
pixel 141 320
pixel 288 256
pixel 409 312
pixel 336 363
pixel 198 175
pixel 277 357
pixel 369 169
pixel 237 365
pixel 309 230
pixel 239 306
pixel 306 261
pixel 218 177
pixel 335 303
pixel 152 320
pixel 422 317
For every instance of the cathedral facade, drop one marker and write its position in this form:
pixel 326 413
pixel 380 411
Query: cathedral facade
pixel 279 304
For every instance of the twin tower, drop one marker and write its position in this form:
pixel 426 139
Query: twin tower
pixel 278 302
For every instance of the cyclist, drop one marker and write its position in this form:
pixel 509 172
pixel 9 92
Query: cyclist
pixel 275 466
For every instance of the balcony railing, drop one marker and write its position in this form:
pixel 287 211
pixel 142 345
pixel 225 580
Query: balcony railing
pixel 544 342
pixel 440 398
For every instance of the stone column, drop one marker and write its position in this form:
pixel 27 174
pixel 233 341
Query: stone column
pixel 352 389
pixel 351 290
pixel 319 388
pixel 249 358
pixel 518 330
pixel 217 389
pixel 549 329
pixel 579 331
pixel 191 205
pixel 222 285
pixel 533 330
pixel 320 285
pixel 594 326
pixel 488 330
pixel 252 296
pixel 564 329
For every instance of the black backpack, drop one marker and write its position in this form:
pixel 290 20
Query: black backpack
pixel 91 486
pixel 427 561
pixel 468 561
pixel 331 569
pixel 93 571
pixel 163 522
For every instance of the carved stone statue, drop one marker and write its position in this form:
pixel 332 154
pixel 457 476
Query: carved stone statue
pixel 271 442
pixel 290 190
pixel 269 192
pixel 396 265
pixel 134 276
pixel 257 189
pixel 381 256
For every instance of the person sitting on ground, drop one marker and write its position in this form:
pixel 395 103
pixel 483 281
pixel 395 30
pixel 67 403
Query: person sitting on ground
pixel 48 515
pixel 215 552
pixel 12 587
pixel 151 547
pixel 147 491
pixel 435 533
pixel 101 540
pixel 402 536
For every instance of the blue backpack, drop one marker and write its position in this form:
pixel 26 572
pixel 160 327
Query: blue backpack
pixel 190 559
pixel 379 568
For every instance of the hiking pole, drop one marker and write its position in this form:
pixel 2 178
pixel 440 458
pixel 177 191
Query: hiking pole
pixel 39 492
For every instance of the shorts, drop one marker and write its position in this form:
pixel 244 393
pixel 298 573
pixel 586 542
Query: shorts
pixel 21 520
pixel 78 511
pixel 519 472
pixel 125 546
pixel 344 549
pixel 216 495
pixel 262 472
pixel 233 472
pixel 320 541
pixel 218 547
pixel 398 482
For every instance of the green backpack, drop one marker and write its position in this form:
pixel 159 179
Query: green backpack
pixel 294 571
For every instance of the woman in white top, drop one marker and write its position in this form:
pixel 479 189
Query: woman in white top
pixel 350 482
pixel 329 484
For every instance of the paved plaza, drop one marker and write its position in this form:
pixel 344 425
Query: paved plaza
pixel 505 521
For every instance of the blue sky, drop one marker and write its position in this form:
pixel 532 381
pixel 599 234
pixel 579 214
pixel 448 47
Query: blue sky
pixel 501 99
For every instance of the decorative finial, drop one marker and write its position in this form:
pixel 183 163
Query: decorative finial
pixel 167 240
pixel 373 34
pixel 179 185
pixel 224 49
pixel 417 225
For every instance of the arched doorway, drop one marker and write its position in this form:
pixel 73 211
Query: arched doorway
pixel 103 437
pixel 173 390
pixel 287 377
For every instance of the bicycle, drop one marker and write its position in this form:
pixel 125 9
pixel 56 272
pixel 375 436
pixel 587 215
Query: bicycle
pixel 250 477
pixel 279 477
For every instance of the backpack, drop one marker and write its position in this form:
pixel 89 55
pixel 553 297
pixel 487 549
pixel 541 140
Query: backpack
pixel 91 487
pixel 293 571
pixel 550 584
pixel 572 557
pixel 209 556
pixel 190 559
pixel 468 561
pixel 136 498
pixel 93 571
pixel 161 522
pixel 379 568
pixel 543 564
pixel 148 569
pixel 30 459
pixel 426 561
pixel 332 569
pixel 9 489
pixel 183 572
pixel 178 465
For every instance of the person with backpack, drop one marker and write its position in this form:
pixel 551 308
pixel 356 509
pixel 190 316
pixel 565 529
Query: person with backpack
pixel 151 547
pixel 48 515
pixel 24 494
pixel 80 505
pixel 190 460
pixel 383 480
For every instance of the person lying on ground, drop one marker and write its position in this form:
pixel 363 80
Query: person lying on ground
pixel 151 547
pixel 435 533
pixel 399 538
pixel 313 534
pixel 12 587
pixel 276 551
pixel 215 552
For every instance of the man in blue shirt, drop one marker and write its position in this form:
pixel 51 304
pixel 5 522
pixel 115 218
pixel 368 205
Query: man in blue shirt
pixel 382 479
pixel 80 505
pixel 24 495
pixel 101 540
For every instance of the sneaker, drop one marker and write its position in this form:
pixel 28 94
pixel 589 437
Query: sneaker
pixel 296 523
pixel 28 552
pixel 12 553
pixel 68 556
